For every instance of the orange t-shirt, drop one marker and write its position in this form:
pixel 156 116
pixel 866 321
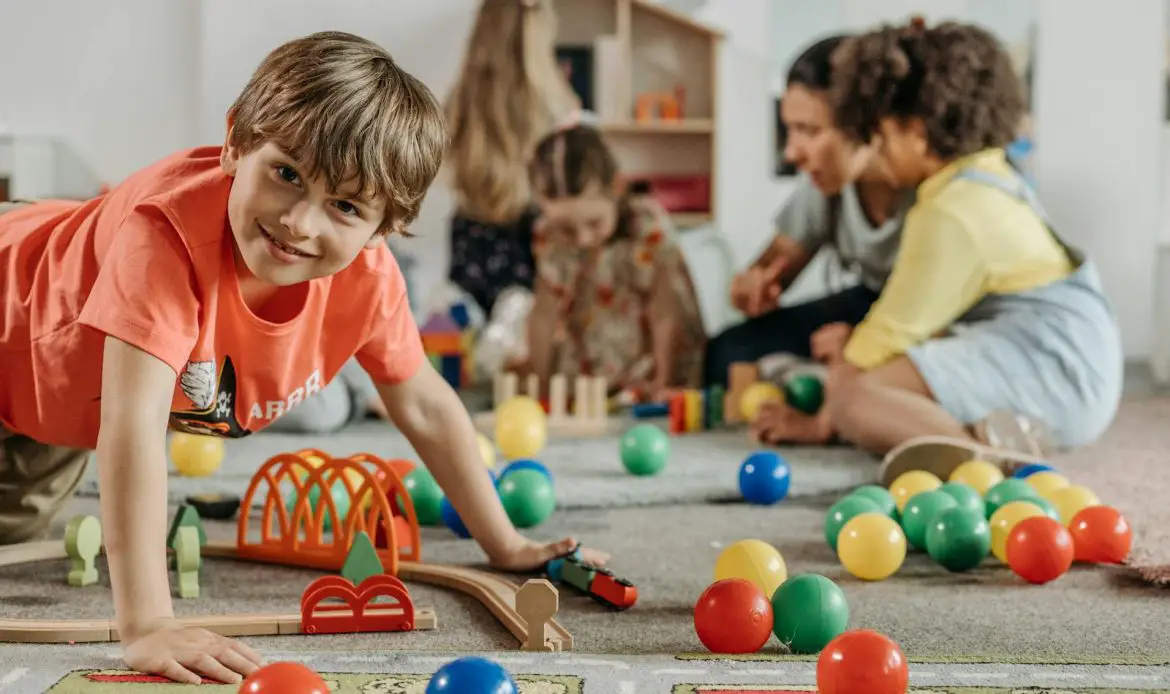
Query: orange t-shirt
pixel 152 263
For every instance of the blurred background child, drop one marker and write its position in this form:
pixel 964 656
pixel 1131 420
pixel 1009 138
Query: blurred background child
pixel 613 295
pixel 509 94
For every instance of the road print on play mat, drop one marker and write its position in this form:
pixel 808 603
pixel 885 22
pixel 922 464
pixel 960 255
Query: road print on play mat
pixel 124 682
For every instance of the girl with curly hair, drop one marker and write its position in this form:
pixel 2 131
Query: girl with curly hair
pixel 991 328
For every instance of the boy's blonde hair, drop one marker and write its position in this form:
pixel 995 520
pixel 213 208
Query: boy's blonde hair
pixel 339 104
pixel 510 93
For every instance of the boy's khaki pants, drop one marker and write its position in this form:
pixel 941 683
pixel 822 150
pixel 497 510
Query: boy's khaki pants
pixel 36 480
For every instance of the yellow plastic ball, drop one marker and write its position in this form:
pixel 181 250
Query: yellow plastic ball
pixel 487 450
pixel 756 395
pixel 194 455
pixel 1070 500
pixel 979 474
pixel 910 483
pixel 1047 482
pixel 871 546
pixel 1004 519
pixel 755 561
pixel 521 427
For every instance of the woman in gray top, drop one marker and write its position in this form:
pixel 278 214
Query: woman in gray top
pixel 861 222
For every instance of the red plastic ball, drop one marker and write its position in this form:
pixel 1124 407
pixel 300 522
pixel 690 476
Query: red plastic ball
pixel 1039 549
pixel 862 660
pixel 284 678
pixel 1101 535
pixel 733 616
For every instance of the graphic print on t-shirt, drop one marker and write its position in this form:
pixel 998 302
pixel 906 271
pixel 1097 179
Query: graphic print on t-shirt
pixel 214 401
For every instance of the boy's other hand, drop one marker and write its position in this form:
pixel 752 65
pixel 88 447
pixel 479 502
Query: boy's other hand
pixel 532 556
pixel 188 654
pixel 757 289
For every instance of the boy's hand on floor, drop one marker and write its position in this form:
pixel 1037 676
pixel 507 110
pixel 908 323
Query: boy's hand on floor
pixel 532 556
pixel 187 654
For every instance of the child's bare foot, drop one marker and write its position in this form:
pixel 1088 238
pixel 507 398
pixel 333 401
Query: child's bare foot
pixel 532 556
pixel 778 423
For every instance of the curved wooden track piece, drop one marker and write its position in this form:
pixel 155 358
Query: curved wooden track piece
pixel 496 593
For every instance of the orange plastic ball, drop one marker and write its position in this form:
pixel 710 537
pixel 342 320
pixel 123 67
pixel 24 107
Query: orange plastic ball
pixel 862 660
pixel 284 678
pixel 1101 535
pixel 1039 549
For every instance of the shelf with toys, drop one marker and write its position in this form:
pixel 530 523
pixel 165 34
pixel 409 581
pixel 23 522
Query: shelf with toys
pixel 649 74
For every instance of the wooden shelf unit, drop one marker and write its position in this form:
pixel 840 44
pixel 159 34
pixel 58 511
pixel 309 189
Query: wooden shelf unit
pixel 639 48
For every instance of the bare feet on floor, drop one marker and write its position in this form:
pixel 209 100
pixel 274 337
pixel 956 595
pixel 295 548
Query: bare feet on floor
pixel 779 423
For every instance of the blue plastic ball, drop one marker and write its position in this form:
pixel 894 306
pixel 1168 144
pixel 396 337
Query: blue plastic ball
pixel 524 464
pixel 472 675
pixel 764 478
pixel 1029 470
pixel 451 519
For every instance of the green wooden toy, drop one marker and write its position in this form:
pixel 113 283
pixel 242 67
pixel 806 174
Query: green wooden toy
pixel 83 541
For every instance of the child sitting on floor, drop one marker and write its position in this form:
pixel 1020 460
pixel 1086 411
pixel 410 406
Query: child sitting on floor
pixel 214 291
pixel 989 318
pixel 613 295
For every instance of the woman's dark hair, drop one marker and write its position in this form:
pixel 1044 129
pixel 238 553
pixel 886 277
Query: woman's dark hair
pixel 568 162
pixel 813 68
pixel 955 77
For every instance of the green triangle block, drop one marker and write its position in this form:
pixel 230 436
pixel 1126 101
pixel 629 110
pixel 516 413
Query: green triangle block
pixel 362 560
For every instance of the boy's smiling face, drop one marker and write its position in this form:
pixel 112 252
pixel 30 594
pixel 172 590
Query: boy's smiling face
pixel 290 228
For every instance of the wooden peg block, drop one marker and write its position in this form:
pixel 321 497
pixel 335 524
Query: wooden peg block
pixel 537 602
pixel 83 541
pixel 557 397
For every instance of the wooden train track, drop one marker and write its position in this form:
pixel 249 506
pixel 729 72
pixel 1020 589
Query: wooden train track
pixel 496 593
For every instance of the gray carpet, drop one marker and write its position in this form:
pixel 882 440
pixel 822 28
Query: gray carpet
pixel 1093 614
pixel 588 473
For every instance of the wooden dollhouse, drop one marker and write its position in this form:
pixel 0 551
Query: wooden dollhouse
pixel 649 73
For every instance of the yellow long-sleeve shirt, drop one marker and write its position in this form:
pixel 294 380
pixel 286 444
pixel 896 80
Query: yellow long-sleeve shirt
pixel 961 241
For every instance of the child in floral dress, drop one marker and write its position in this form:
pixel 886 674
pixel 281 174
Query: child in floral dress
pixel 613 295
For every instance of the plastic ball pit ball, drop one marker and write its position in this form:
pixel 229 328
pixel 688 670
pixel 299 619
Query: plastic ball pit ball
pixel 521 427
pixel 910 483
pixel 979 474
pixel 1101 535
pixel 958 539
pixel 426 495
pixel 880 496
pixel 1047 482
pixel 809 611
pixel 195 455
pixel 862 660
pixel 805 393
pixel 733 616
pixel 1004 520
pixel 472 675
pixel 755 561
pixel 843 511
pixel 525 464
pixel 527 496
pixel 1009 490
pixel 871 546
pixel 965 494
pixel 645 449
pixel 1040 549
pixel 1071 500
pixel 764 478
pixel 452 520
pixel 920 510
pixel 756 395
pixel 284 678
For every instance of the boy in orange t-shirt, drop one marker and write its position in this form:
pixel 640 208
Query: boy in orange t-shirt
pixel 213 292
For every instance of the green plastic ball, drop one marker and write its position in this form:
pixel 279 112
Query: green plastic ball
pixel 958 539
pixel 967 496
pixel 805 392
pixel 843 511
pixel 426 495
pixel 880 496
pixel 809 611
pixel 528 497
pixel 645 449
pixel 340 502
pixel 1010 489
pixel 920 510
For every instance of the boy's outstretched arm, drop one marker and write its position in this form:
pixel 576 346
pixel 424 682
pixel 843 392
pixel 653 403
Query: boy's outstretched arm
pixel 136 397
pixel 433 418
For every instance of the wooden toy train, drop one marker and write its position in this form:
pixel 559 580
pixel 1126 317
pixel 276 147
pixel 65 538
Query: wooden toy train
pixel 596 582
